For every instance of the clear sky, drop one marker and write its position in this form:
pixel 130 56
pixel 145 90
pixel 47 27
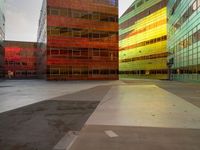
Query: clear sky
pixel 22 18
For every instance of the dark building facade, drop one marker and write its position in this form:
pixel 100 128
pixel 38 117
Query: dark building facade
pixel 78 40
pixel 184 39
pixel 2 37
pixel 20 60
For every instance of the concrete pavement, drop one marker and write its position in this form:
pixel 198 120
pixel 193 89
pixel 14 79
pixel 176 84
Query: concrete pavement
pixel 132 114
pixel 144 117
pixel 19 93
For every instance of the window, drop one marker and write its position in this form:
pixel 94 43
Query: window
pixel 195 37
pixel 84 15
pixel 76 71
pixel 76 32
pixel 104 34
pixel 84 34
pixel 140 3
pixel 96 52
pixel 104 53
pixel 95 16
pixel 65 32
pixel 54 71
pixel 95 72
pixel 198 35
pixel 113 19
pixel 54 11
pixel 96 35
pixel 76 52
pixel 104 17
pixel 76 14
pixel 55 31
pixel 190 40
pixel 63 71
pixel 63 12
pixel 54 52
pixel 194 6
pixel 104 72
pixel 63 52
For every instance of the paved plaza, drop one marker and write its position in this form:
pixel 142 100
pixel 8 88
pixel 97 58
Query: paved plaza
pixel 108 115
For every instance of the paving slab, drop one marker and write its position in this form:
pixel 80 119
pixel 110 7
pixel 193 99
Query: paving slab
pixel 18 93
pixel 92 94
pixel 42 125
pixel 137 138
pixel 145 105
pixel 186 90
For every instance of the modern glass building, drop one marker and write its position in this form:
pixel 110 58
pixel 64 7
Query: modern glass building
pixel 79 40
pixel 20 59
pixel 2 37
pixel 184 39
pixel 143 40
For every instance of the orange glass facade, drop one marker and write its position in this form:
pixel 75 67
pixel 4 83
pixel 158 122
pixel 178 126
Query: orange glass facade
pixel 80 39
pixel 20 59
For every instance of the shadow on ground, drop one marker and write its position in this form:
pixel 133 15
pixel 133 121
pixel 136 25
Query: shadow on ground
pixel 40 126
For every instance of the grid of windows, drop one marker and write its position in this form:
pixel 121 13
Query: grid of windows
pixel 80 14
pixel 143 14
pixel 154 56
pixel 107 2
pixel 82 53
pixel 82 72
pixel 20 59
pixel 184 42
pixel 143 39
pixel 145 43
pixel 188 13
pixel 142 30
pixel 80 33
pixel 82 40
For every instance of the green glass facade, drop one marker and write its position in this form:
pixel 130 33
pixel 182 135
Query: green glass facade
pixel 2 37
pixel 184 39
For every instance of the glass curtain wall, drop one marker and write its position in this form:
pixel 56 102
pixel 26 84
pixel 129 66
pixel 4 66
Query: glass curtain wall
pixel 143 40
pixel 82 40
pixel 184 39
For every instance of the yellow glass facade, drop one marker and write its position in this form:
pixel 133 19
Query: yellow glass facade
pixel 143 40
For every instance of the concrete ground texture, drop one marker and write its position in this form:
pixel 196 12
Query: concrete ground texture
pixel 108 115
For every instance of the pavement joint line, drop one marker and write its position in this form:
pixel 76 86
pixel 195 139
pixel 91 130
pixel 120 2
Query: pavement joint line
pixel 195 97
pixel 66 141
pixel 111 133
pixel 106 100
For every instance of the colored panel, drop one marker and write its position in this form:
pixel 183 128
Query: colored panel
pixel 143 40
pixel 82 40
pixel 20 59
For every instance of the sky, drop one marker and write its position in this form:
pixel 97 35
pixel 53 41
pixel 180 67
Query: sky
pixel 22 18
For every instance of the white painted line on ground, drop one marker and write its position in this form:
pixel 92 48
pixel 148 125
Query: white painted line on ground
pixel 111 134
